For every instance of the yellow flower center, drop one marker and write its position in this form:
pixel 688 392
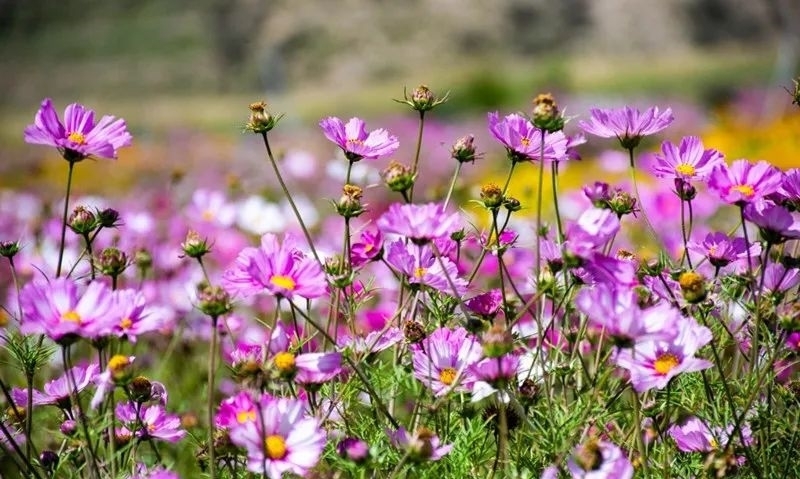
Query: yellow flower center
pixel 283 281
pixel 525 141
pixel 745 190
pixel 420 272
pixel 368 247
pixel 3 319
pixel 284 362
pixel 207 215
pixel 245 416
pixel 126 323
pixel 354 141
pixel 77 137
pixel 275 447
pixel 118 363
pixel 665 363
pixel 447 376
pixel 71 316
pixel 685 169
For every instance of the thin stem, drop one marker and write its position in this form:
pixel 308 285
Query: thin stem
pixel 416 154
pixel 16 286
pixel 539 210
pixel 64 220
pixel 452 185
pixel 73 392
pixel 554 180
pixel 639 199
pixel 637 412
pixel 212 366
pixel 685 234
pixel 289 197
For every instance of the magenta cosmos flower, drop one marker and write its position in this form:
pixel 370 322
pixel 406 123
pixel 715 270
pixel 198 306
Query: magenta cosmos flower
pixel 744 182
pixel 419 223
pixel 236 410
pixel 599 460
pixel 652 364
pixel 692 435
pixel 442 356
pixel 353 139
pixel 626 124
pixel 688 161
pixel 280 269
pixel 79 136
pixel 420 266
pixel 282 439
pixel 60 311
pixel 722 250
pixel 523 141
pixel 58 391
pixel 152 422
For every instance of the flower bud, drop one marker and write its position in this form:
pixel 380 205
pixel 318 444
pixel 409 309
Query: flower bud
pixel 598 193
pixel 458 236
pixel 463 149
pixel 214 301
pixel 353 449
pixel 108 218
pixel 140 389
pixel 194 246
pixel 622 203
pixel 9 249
pixel 48 459
pixel 349 205
pixel 685 190
pixel 511 204
pixel 121 368
pixel 261 120
pixel 69 427
pixel 422 99
pixel 112 262
pixel 398 177
pixel 693 286
pixel 82 221
pixel 497 341
pixel 546 115
pixel 492 196
pixel 142 259
pixel 795 92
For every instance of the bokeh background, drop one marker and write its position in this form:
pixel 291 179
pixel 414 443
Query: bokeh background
pixel 182 73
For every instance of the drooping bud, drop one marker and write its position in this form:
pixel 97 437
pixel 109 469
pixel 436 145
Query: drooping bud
pixel 546 114
pixel 112 262
pixel 108 218
pixel 349 205
pixel 261 120
pixel 463 149
pixel 194 246
pixel 492 196
pixel 693 286
pixel 9 249
pixel 685 190
pixel 398 177
pixel 511 204
pixel 82 221
pixel 214 301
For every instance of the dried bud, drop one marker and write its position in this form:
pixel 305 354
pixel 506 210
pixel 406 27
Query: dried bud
pixel 112 262
pixel 353 449
pixel 546 115
pixel 82 221
pixel 622 203
pixel 108 218
pixel 492 196
pixel 511 204
pixel 9 249
pixel 414 332
pixel 422 99
pixel 49 460
pixel 693 286
pixel 349 205
pixel 214 301
pixel 497 341
pixel 685 190
pixel 194 246
pixel 261 120
pixel 398 177
pixel 140 389
pixel 463 149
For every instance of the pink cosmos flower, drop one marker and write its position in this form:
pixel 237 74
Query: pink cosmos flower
pixel 722 250
pixel 442 355
pixel 315 369
pixel 152 422
pixel 132 317
pixel 779 279
pixel 353 139
pixel 280 269
pixel 58 391
pixel 486 304
pixel 420 223
pixel 744 182
pixel 689 161
pixel 421 267
pixel 692 435
pixel 776 223
pixel 79 137
pixel 369 248
pixel 59 310
pixel 523 140
pixel 599 460
pixel 373 342
pixel 423 445
pixel 282 438
pixel 626 124
pixel 156 472
pixel 236 410
pixel 789 191
pixel 652 364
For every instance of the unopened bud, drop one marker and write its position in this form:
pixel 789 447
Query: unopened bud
pixel 693 286
pixel 685 190
pixel 9 249
pixel 112 262
pixel 349 205
pixel 398 177
pixel 108 218
pixel 546 114
pixel 194 246
pixel 261 120
pixel 82 221
pixel 214 301
pixel 512 204
pixel 497 341
pixel 463 149
pixel 48 459
pixel 353 449
pixel 68 427
pixel 622 203
pixel 422 99
pixel 140 389
pixel 492 196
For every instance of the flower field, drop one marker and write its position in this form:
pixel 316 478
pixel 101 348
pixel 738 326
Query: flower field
pixel 609 293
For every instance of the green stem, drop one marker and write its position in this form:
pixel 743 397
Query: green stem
pixel 637 412
pixel 64 220
pixel 639 200
pixel 289 197
pixel 416 154
pixel 212 357
pixel 554 179
pixel 685 233
pixel 452 185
